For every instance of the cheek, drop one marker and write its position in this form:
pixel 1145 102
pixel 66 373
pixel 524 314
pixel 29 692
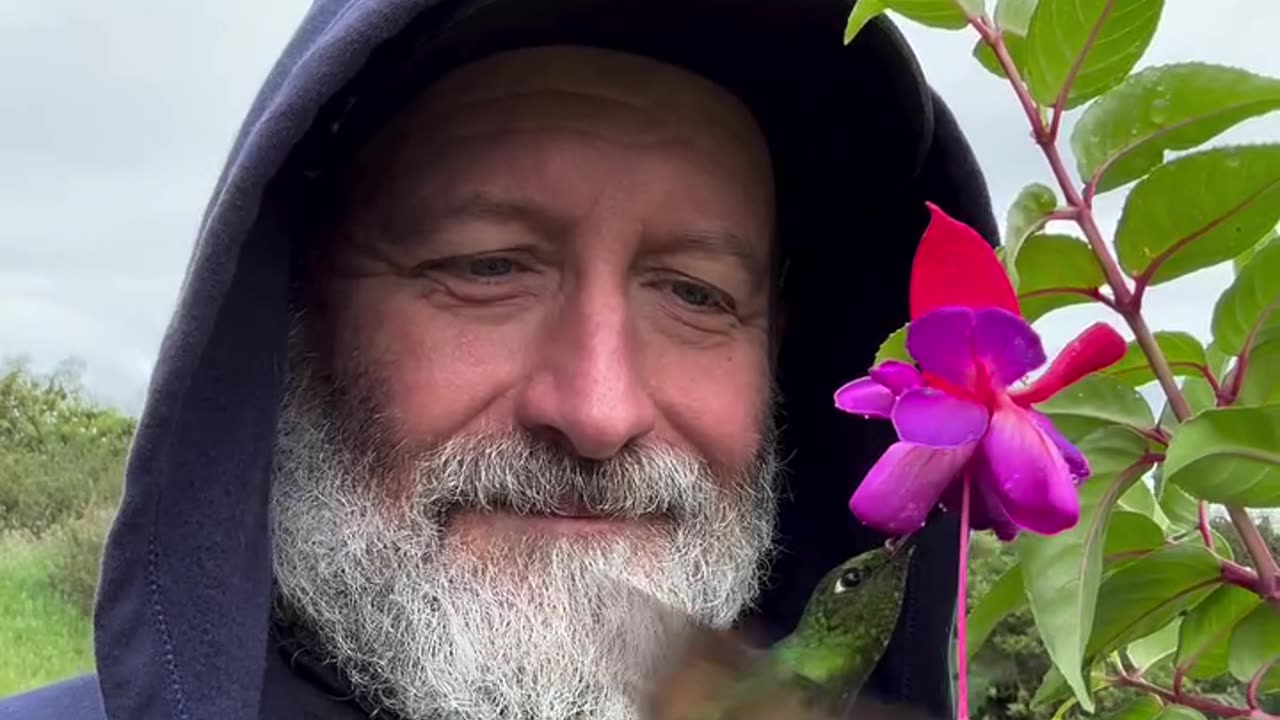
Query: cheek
pixel 441 375
pixel 715 399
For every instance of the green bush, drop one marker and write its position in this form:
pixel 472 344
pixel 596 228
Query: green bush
pixel 60 453
pixel 76 556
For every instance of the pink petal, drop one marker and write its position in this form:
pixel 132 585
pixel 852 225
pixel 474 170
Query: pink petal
pixel 1006 344
pixel 927 416
pixel 865 397
pixel 1032 480
pixel 904 485
pixel 942 344
pixel 986 511
pixel 897 376
pixel 1077 463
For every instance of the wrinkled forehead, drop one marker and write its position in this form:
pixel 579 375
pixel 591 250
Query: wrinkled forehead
pixel 626 98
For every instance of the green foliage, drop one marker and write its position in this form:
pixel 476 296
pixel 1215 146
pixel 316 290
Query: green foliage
pixel 1184 353
pixel 1126 132
pixel 1250 307
pixel 1028 212
pixel 1229 455
pixel 895 347
pixel 1062 574
pixel 1095 402
pixel 43 637
pixel 77 556
pixel 946 14
pixel 59 452
pixel 1079 49
pixel 1199 210
pixel 1255 645
pixel 1055 271
pixel 1202 641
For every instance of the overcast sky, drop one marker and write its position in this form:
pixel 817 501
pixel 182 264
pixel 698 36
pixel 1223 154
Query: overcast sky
pixel 116 117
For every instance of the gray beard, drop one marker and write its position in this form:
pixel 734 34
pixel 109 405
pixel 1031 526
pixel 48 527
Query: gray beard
pixel 546 627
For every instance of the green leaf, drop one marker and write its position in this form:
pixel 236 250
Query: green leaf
pixel 1005 596
pixel 1251 305
pixel 1148 594
pixel 1099 41
pixel 945 14
pixel 1061 574
pixel 895 347
pixel 1221 546
pixel 1143 707
pixel 1229 456
pixel 863 12
pixel 1243 258
pixel 1112 448
pixel 1130 535
pixel 1055 271
pixel 1182 510
pixel 1029 209
pixel 1206 630
pixel 1261 384
pixel 1014 44
pixel 1014 16
pixel 1199 395
pixel 1183 351
pixel 1171 107
pixel 1199 210
pixel 1140 499
pixel 1256 642
pixel 1093 402
pixel 1153 648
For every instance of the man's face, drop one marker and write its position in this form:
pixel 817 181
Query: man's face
pixel 543 328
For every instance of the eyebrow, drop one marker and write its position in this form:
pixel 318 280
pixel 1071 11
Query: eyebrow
pixel 718 243
pixel 486 207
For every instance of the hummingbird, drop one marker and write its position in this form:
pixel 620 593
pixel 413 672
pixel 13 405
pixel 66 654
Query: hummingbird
pixel 814 673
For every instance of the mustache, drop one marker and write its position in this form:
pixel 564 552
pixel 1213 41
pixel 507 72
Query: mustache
pixel 516 472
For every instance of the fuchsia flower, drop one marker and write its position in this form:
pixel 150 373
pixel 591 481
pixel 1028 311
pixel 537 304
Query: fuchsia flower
pixel 957 414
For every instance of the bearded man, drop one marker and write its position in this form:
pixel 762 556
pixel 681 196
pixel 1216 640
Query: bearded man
pixel 500 324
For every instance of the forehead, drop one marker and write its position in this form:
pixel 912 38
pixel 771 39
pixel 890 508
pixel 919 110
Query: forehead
pixel 515 102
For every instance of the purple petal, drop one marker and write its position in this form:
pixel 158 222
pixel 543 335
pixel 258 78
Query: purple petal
pixel 1077 463
pixel 927 416
pixel 865 397
pixel 1006 344
pixel 897 376
pixel 986 511
pixel 1032 480
pixel 904 485
pixel 941 343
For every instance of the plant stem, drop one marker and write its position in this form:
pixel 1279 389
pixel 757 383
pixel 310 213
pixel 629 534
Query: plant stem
pixel 1127 302
pixel 1191 701
pixel 1205 533
pixel 962 649
pixel 1251 694
pixel 1264 562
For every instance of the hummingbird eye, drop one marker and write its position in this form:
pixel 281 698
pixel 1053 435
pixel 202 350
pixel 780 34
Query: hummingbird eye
pixel 849 580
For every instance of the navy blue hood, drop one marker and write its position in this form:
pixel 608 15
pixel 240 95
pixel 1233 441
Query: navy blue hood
pixel 860 142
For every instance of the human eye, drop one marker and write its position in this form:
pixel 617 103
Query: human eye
pixel 698 296
pixel 484 269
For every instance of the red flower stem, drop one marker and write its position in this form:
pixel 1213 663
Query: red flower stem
pixel 1127 302
pixel 1191 701
pixel 962 641
pixel 1205 533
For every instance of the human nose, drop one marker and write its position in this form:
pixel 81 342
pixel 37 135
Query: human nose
pixel 587 391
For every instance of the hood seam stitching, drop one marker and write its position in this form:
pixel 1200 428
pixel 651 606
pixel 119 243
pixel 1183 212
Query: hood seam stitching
pixel 178 697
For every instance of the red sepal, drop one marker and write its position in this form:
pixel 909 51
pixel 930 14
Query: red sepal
pixel 955 266
pixel 1097 348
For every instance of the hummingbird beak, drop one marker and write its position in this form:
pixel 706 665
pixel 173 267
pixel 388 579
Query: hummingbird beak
pixel 901 545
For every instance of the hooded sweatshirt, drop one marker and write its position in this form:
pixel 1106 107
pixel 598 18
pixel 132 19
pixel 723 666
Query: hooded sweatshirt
pixel 859 142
